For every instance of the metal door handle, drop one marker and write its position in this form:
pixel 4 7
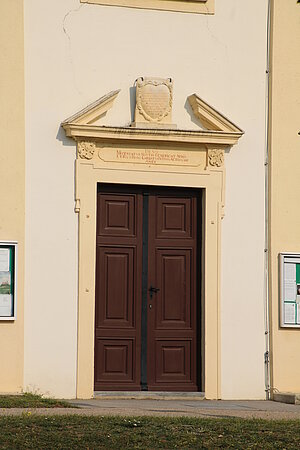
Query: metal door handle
pixel 153 290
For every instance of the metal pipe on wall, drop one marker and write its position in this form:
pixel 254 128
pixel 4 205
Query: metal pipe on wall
pixel 267 249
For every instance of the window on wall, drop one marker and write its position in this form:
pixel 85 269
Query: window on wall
pixel 189 6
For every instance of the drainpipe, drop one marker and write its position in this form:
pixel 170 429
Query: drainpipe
pixel 267 250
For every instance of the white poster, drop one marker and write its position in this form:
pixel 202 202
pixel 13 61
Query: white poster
pixel 290 313
pixel 290 290
pixel 4 259
pixel 298 314
pixel 290 271
pixel 6 305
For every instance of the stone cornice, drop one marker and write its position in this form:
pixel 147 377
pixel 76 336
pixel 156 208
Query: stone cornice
pixel 78 131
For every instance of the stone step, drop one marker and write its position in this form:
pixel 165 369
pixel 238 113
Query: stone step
pixel 147 395
pixel 287 397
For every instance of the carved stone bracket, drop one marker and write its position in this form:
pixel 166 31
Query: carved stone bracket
pixel 215 157
pixel 86 149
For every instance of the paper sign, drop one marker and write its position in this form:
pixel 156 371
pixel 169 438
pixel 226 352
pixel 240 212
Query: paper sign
pixel 290 291
pixel 290 272
pixel 5 283
pixel 5 305
pixel 298 314
pixel 4 259
pixel 290 313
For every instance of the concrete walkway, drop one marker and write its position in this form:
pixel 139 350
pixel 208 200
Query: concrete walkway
pixel 149 407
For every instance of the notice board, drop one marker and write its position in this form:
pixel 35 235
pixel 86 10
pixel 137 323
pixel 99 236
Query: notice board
pixel 8 279
pixel 289 290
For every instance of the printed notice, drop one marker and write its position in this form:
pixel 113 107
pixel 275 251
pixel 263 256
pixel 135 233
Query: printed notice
pixel 5 283
pixel 290 313
pixel 5 305
pixel 298 314
pixel 290 272
pixel 290 291
pixel 4 259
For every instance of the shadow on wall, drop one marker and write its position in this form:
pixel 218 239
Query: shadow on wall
pixel 66 141
pixel 193 118
pixel 132 97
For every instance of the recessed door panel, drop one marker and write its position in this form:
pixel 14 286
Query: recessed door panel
pixel 118 215
pixel 173 301
pixel 116 286
pixel 173 361
pixel 173 217
pixel 115 360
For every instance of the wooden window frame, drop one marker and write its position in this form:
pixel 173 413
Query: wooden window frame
pixel 187 6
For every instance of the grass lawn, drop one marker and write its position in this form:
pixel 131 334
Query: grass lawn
pixel 31 401
pixel 79 432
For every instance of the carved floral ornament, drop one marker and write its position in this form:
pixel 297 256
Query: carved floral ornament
pixel 215 157
pixel 86 149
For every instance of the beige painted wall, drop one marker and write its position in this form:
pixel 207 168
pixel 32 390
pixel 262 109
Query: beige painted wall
pixel 12 180
pixel 76 53
pixel 284 182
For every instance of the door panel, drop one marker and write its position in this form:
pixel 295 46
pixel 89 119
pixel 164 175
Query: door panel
pixel 118 291
pixel 114 361
pixel 173 301
pixel 132 222
pixel 173 217
pixel 118 215
pixel 172 268
pixel 116 264
pixel 173 361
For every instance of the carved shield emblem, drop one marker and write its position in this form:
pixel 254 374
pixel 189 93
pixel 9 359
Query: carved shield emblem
pixel 154 98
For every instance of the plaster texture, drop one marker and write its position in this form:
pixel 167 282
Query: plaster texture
pixel 12 181
pixel 75 53
pixel 284 183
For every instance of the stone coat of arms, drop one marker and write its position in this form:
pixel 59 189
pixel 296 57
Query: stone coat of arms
pixel 154 98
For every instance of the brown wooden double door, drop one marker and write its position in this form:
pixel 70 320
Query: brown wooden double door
pixel 147 313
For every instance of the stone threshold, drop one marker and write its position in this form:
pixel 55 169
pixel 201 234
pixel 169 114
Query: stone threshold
pixel 286 397
pixel 148 395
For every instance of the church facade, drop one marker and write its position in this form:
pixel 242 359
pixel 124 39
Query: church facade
pixel 148 236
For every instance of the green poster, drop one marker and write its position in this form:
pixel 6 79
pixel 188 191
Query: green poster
pixel 298 273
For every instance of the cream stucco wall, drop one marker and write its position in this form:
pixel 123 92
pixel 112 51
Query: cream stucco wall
pixel 284 180
pixel 12 180
pixel 74 54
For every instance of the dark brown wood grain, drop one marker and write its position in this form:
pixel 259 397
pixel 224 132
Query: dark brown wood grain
pixel 172 270
pixel 172 317
pixel 118 291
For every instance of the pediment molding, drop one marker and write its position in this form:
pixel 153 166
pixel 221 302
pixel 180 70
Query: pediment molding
pixel 93 112
pixel 210 117
pixel 220 130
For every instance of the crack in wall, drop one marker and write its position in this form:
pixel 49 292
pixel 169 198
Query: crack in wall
pixel 70 45
pixel 65 18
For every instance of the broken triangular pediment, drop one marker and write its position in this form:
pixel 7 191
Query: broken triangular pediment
pixel 93 112
pixel 210 117
pixel 218 129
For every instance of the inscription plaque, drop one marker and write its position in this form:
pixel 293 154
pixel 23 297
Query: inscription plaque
pixel 152 157
pixel 154 97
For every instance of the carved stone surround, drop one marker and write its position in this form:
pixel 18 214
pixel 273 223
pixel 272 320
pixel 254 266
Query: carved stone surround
pixel 150 156
pixel 153 148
